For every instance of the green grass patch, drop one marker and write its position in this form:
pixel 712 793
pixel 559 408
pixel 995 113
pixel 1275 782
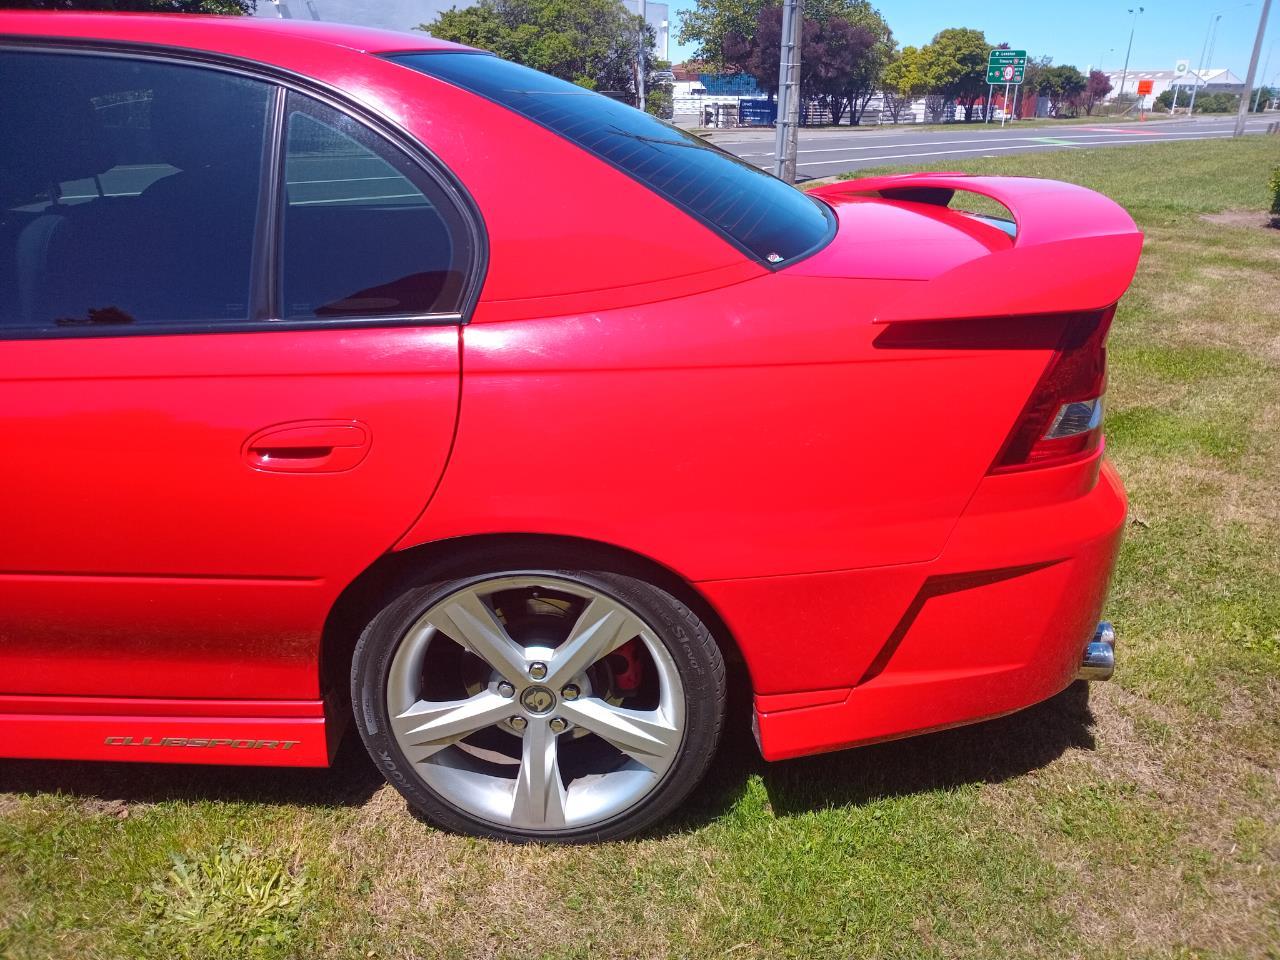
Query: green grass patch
pixel 224 901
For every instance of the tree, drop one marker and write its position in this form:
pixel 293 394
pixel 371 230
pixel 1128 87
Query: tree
pixel 849 25
pixel 1063 85
pixel 839 49
pixel 1036 66
pixel 232 7
pixel 593 43
pixel 957 66
pixel 710 22
pixel 905 78
pixel 659 101
pixel 1096 88
pixel 849 68
pixel 844 44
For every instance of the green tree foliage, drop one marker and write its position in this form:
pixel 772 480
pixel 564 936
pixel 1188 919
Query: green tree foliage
pixel 957 66
pixel 233 7
pixel 593 43
pixel 905 77
pixel 1206 102
pixel 1064 86
pixel 1217 103
pixel 659 101
pixel 1275 197
pixel 709 22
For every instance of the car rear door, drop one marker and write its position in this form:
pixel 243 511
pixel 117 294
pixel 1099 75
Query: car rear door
pixel 229 370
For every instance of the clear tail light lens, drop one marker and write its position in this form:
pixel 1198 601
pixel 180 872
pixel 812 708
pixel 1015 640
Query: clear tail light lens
pixel 1062 419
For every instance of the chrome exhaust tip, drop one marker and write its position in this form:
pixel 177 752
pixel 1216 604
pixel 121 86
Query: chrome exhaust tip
pixel 1099 661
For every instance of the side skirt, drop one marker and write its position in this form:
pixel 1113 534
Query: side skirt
pixel 269 733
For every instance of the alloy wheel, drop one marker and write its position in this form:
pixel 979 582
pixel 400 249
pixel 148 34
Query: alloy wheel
pixel 537 703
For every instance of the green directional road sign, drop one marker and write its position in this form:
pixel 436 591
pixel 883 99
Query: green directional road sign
pixel 1006 66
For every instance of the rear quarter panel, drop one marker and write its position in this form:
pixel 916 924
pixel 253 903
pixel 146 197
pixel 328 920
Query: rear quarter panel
pixel 753 430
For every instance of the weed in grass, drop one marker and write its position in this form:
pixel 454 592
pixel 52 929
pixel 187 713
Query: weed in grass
pixel 226 902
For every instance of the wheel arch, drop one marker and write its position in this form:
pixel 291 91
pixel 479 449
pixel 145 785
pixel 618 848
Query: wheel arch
pixel 458 556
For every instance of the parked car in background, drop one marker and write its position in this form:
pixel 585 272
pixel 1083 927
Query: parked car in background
pixel 352 377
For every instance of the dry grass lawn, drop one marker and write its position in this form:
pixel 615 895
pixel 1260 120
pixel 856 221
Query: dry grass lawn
pixel 1139 818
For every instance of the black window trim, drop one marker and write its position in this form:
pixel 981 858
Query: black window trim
pixel 264 300
pixel 832 224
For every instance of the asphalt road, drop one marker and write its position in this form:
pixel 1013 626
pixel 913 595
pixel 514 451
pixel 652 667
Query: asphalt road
pixel 826 152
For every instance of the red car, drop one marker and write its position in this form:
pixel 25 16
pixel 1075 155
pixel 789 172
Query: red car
pixel 351 375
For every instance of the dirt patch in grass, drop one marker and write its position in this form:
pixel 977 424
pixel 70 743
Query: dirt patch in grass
pixel 1252 219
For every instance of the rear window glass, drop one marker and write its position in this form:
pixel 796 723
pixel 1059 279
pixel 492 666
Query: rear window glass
pixel 765 217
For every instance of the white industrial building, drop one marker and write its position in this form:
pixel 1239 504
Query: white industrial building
pixel 1217 80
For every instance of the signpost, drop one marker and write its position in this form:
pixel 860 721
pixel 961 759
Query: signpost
pixel 1180 70
pixel 1008 67
pixel 1144 90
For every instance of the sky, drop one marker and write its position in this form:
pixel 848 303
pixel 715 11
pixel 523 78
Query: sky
pixel 1086 33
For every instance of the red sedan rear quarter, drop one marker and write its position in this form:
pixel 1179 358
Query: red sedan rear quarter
pixel 355 375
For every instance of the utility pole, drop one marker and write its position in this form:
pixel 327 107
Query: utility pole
pixel 784 144
pixel 640 59
pixel 1243 113
pixel 1132 27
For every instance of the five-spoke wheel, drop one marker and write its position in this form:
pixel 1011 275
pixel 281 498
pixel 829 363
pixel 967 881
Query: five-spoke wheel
pixel 555 705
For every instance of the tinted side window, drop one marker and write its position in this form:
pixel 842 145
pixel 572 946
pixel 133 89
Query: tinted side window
pixel 763 216
pixel 129 191
pixel 366 233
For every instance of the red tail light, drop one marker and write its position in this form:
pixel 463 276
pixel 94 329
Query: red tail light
pixel 1062 420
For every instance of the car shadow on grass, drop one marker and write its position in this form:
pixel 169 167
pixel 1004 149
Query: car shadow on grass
pixel 350 781
pixel 987 752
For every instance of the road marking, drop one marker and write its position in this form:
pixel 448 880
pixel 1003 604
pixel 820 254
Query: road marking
pixel 1087 133
pixel 931 143
pixel 1024 146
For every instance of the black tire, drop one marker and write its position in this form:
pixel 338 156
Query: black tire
pixel 697 658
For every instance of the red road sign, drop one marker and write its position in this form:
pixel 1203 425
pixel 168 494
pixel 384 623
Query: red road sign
pixel 1144 87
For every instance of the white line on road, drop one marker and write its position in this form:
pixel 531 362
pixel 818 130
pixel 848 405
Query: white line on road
pixel 1024 146
pixel 1145 138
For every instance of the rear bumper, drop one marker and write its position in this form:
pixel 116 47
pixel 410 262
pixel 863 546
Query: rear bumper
pixel 998 622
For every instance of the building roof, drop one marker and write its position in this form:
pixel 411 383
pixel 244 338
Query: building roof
pixel 1210 77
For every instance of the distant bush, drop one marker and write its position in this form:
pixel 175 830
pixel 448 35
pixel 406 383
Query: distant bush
pixel 1217 103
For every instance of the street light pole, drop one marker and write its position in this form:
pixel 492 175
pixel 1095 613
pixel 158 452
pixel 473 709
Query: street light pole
pixel 1210 40
pixel 784 144
pixel 1213 20
pixel 1266 65
pixel 1132 27
pixel 640 60
pixel 1243 112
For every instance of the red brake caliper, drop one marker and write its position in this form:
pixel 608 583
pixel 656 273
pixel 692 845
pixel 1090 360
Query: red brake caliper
pixel 628 675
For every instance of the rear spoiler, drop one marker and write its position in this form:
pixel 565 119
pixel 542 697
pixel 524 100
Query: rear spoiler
pixel 1074 249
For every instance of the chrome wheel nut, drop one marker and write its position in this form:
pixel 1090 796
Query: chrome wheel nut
pixel 557 725
pixel 506 690
pixel 519 723
pixel 538 670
